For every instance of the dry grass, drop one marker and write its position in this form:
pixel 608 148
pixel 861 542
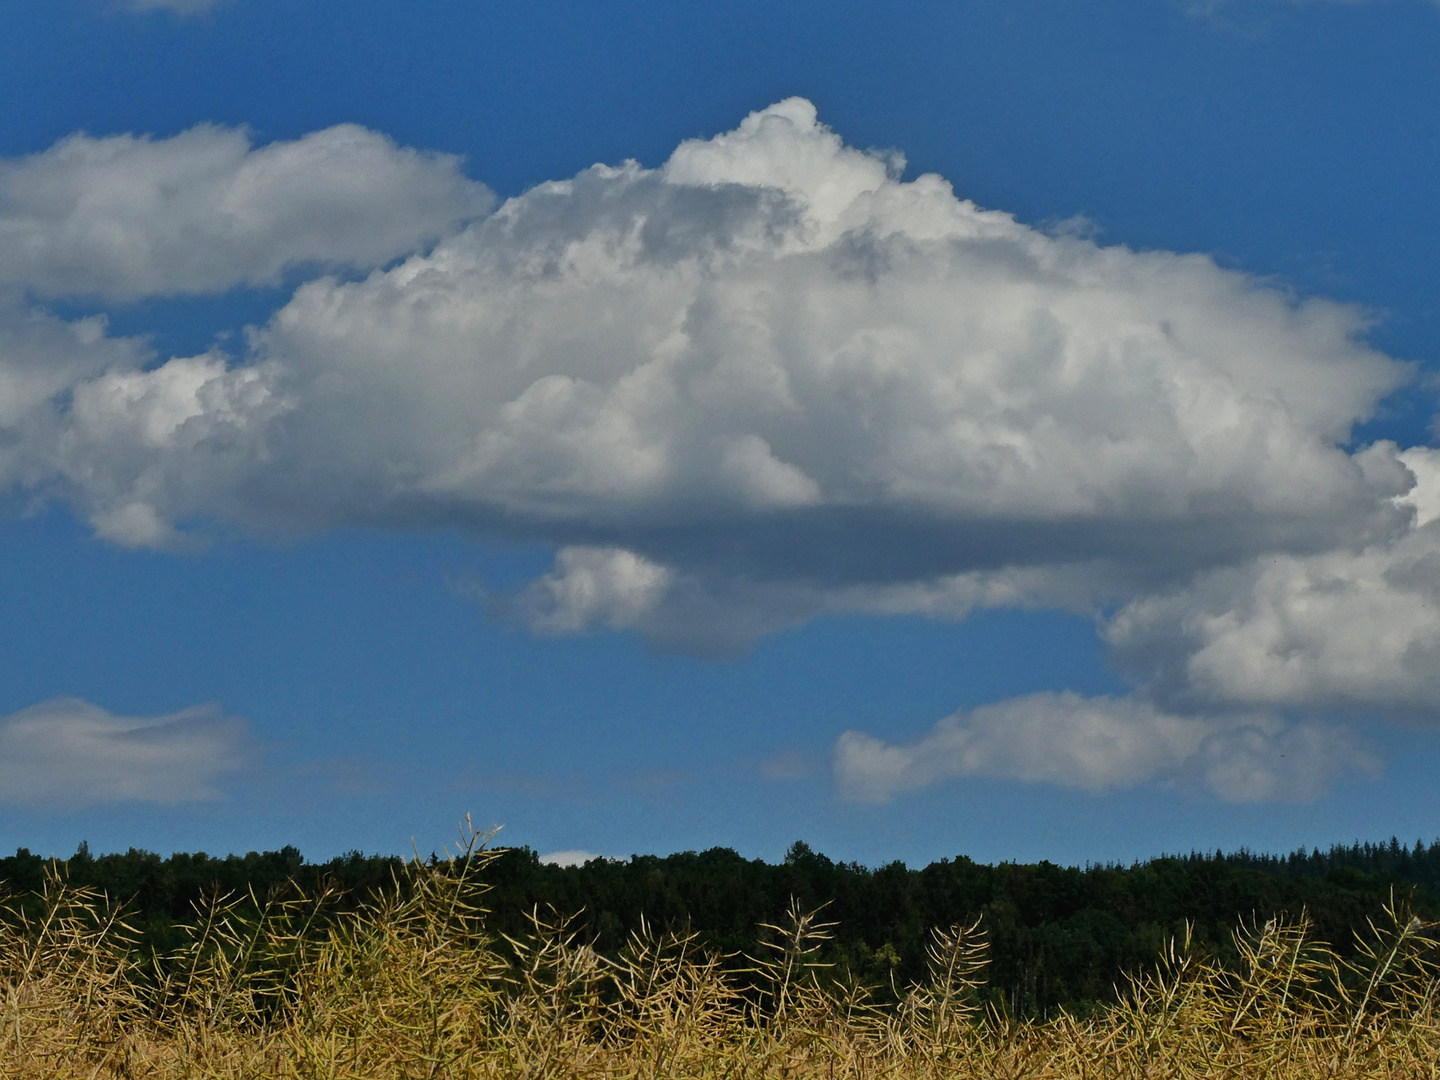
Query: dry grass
pixel 413 986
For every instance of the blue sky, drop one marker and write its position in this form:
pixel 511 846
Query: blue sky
pixel 1000 428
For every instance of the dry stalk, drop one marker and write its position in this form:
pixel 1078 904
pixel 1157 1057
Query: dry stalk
pixel 414 985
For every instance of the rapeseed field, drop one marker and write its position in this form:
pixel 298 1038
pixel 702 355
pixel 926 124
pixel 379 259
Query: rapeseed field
pixel 414 984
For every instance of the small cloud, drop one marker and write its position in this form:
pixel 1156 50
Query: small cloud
pixel 573 857
pixel 1103 743
pixel 592 586
pixel 659 785
pixel 528 785
pixel 349 776
pixel 67 753
pixel 177 7
pixel 1250 17
pixel 1077 226
pixel 789 765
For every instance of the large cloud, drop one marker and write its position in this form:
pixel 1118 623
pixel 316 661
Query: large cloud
pixel 765 381
pixel 123 217
pixel 69 754
pixel 772 359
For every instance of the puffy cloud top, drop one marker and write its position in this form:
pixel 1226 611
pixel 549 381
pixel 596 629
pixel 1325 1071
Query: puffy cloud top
pixel 771 353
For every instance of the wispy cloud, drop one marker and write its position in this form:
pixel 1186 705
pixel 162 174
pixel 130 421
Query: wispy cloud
pixel 1099 744
pixel 791 764
pixel 69 754
pixel 1251 17
pixel 178 7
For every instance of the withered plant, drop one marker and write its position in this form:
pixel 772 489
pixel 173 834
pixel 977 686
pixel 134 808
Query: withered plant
pixel 413 984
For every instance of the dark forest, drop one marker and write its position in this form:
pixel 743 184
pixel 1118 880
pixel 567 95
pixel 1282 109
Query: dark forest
pixel 1059 936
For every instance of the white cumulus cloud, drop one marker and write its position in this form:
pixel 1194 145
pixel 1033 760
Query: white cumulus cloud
pixel 772 360
pixel 773 337
pixel 123 217
pixel 1353 630
pixel 69 754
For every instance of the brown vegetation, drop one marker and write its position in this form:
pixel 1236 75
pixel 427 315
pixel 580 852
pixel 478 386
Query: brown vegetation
pixel 413 985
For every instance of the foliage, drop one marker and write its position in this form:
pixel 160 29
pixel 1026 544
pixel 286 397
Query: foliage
pixel 1058 936
pixel 414 979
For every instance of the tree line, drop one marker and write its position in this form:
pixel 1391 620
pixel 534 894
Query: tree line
pixel 1059 936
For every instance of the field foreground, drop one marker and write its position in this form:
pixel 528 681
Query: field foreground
pixel 414 985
